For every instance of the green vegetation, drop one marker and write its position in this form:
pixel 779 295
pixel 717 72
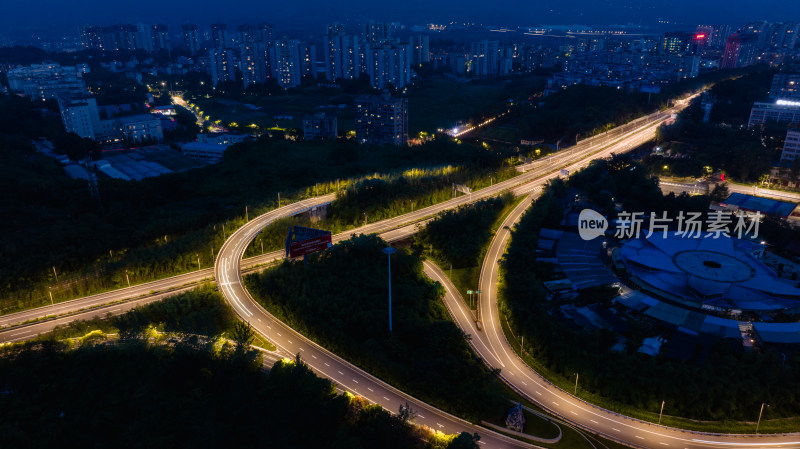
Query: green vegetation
pixel 730 385
pixel 134 395
pixel 583 110
pixel 159 227
pixel 695 149
pixel 201 311
pixel 339 300
pixel 459 237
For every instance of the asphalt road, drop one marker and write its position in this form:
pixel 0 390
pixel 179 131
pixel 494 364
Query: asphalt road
pixel 491 344
pixel 229 266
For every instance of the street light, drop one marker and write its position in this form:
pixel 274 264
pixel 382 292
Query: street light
pixel 661 412
pixel 389 251
pixel 576 385
pixel 759 415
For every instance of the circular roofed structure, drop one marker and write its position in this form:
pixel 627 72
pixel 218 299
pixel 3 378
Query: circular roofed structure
pixel 719 272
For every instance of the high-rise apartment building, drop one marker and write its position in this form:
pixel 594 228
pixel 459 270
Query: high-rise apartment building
pixel 286 64
pixel 222 65
pixel 219 35
pixel 254 63
pixel 374 33
pixel 160 36
pixel 381 120
pixel 484 62
pixel 740 50
pixel 389 64
pixel 191 40
pixel 420 47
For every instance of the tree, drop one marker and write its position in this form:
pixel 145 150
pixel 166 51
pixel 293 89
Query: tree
pixel 720 193
pixel 465 441
pixel 406 413
pixel 242 335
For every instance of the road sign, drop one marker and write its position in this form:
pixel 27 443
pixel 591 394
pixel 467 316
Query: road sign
pixel 308 246
pixel 478 292
pixel 469 292
pixel 462 188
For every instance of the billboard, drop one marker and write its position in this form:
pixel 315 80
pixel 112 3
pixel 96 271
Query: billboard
pixel 309 246
pixel 302 241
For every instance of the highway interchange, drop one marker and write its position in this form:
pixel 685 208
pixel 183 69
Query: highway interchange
pixel 490 343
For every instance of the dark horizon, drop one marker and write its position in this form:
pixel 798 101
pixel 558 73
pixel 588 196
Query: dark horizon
pixel 51 17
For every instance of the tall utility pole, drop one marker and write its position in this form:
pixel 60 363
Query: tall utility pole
pixel 389 251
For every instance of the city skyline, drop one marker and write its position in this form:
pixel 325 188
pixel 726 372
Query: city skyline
pixel 55 17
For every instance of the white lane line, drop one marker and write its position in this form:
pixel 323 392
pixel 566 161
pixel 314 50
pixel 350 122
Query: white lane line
pixel 637 436
pixel 20 333
pixel 340 372
pixel 370 389
pixel 539 393
pixel 663 444
pixel 355 381
pixel 326 364
pixel 555 403
pixel 279 334
pixel 573 413
pixel 312 355
pixel 594 421
pixel 387 398
pixel 615 429
pixel 259 320
pixel 439 425
pixel 290 341
pixel 420 416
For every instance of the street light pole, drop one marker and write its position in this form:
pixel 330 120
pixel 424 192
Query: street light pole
pixel 127 278
pixel 661 412
pixel 50 290
pixel 389 251
pixel 198 261
pixel 758 424
pixel 576 385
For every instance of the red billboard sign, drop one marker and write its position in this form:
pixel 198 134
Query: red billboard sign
pixel 308 246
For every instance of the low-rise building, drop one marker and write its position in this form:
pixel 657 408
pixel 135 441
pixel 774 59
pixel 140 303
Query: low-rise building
pixel 209 152
pixel 320 125
pixel 79 114
pixel 132 128
pixel 782 111
pixel 791 147
pixel 47 80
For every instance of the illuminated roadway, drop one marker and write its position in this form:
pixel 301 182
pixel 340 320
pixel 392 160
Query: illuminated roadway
pixel 228 274
pixel 628 136
pixel 491 344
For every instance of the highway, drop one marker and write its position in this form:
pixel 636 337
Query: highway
pixel 491 344
pixel 229 265
pixel 626 136
pixel 700 188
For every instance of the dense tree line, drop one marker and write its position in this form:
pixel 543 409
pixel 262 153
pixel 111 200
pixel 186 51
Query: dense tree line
pixel 587 110
pixel 743 154
pixel 134 395
pixel 340 301
pixel 161 226
pixel 459 237
pixel 729 385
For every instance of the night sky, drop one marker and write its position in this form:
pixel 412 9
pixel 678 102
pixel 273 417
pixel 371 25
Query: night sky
pixel 312 14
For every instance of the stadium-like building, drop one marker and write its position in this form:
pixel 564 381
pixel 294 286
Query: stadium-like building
pixel 711 273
